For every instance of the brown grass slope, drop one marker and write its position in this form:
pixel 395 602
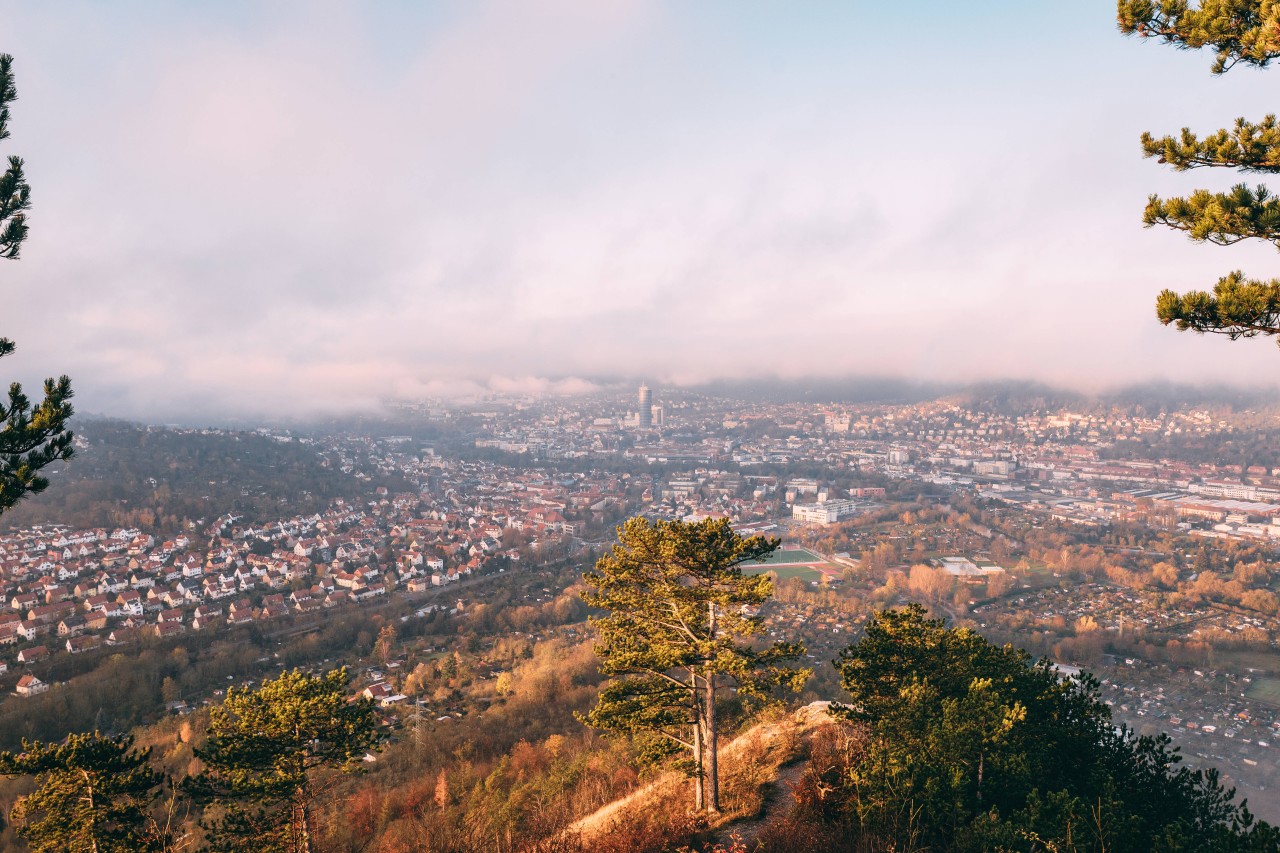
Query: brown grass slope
pixel 759 770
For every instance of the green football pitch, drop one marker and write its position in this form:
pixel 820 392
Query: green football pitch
pixel 786 556
pixel 789 563
pixel 1265 690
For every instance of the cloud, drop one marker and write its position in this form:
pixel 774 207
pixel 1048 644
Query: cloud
pixel 314 207
pixel 470 389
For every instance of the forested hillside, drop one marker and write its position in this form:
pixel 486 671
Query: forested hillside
pixel 127 475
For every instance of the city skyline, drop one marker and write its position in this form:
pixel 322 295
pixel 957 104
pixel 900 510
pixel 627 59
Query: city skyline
pixel 285 211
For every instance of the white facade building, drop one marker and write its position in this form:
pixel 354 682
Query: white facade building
pixel 828 512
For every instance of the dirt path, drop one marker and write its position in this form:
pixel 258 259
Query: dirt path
pixel 777 803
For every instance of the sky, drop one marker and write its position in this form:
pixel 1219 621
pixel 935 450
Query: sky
pixel 288 208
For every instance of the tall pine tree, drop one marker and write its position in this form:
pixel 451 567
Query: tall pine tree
pixel 679 632
pixel 267 751
pixel 31 437
pixel 1240 32
pixel 92 796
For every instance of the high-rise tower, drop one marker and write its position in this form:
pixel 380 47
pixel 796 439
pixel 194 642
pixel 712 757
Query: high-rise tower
pixel 645 416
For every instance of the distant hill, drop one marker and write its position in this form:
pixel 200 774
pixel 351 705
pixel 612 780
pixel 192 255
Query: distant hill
pixel 1013 397
pixel 825 390
pixel 125 474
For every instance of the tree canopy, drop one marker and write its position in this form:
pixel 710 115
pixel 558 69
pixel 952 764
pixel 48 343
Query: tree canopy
pixel 266 746
pixel 973 746
pixel 92 796
pixel 679 630
pixel 31 437
pixel 1240 32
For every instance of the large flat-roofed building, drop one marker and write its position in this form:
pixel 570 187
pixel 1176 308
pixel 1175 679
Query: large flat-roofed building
pixel 827 512
pixel 994 467
pixel 803 485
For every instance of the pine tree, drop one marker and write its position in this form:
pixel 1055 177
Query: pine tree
pixel 1240 32
pixel 15 192
pixel 678 633
pixel 265 754
pixel 92 795
pixel 973 746
pixel 31 437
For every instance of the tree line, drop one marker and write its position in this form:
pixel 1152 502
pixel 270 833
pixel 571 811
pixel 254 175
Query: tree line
pixel 159 480
pixel 268 754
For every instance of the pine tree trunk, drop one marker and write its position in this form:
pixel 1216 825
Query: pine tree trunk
pixel 301 825
pixel 711 746
pixel 699 787
pixel 93 812
pixel 699 781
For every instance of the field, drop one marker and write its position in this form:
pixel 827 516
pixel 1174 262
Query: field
pixel 793 556
pixel 794 563
pixel 1265 690
pixel 807 573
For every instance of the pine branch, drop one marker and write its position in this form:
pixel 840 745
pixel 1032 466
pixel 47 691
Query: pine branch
pixel 32 438
pixel 1240 31
pixel 1221 218
pixel 1248 147
pixel 15 199
pixel 8 92
pixel 15 192
pixel 1237 307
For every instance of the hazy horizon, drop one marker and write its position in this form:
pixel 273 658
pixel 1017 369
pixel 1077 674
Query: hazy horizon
pixel 248 210
pixel 858 392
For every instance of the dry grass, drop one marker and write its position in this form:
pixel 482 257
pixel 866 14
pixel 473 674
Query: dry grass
pixel 752 765
pixel 657 816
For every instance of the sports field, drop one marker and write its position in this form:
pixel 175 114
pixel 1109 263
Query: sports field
pixel 805 573
pixel 1265 690
pixel 792 556
pixel 793 563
